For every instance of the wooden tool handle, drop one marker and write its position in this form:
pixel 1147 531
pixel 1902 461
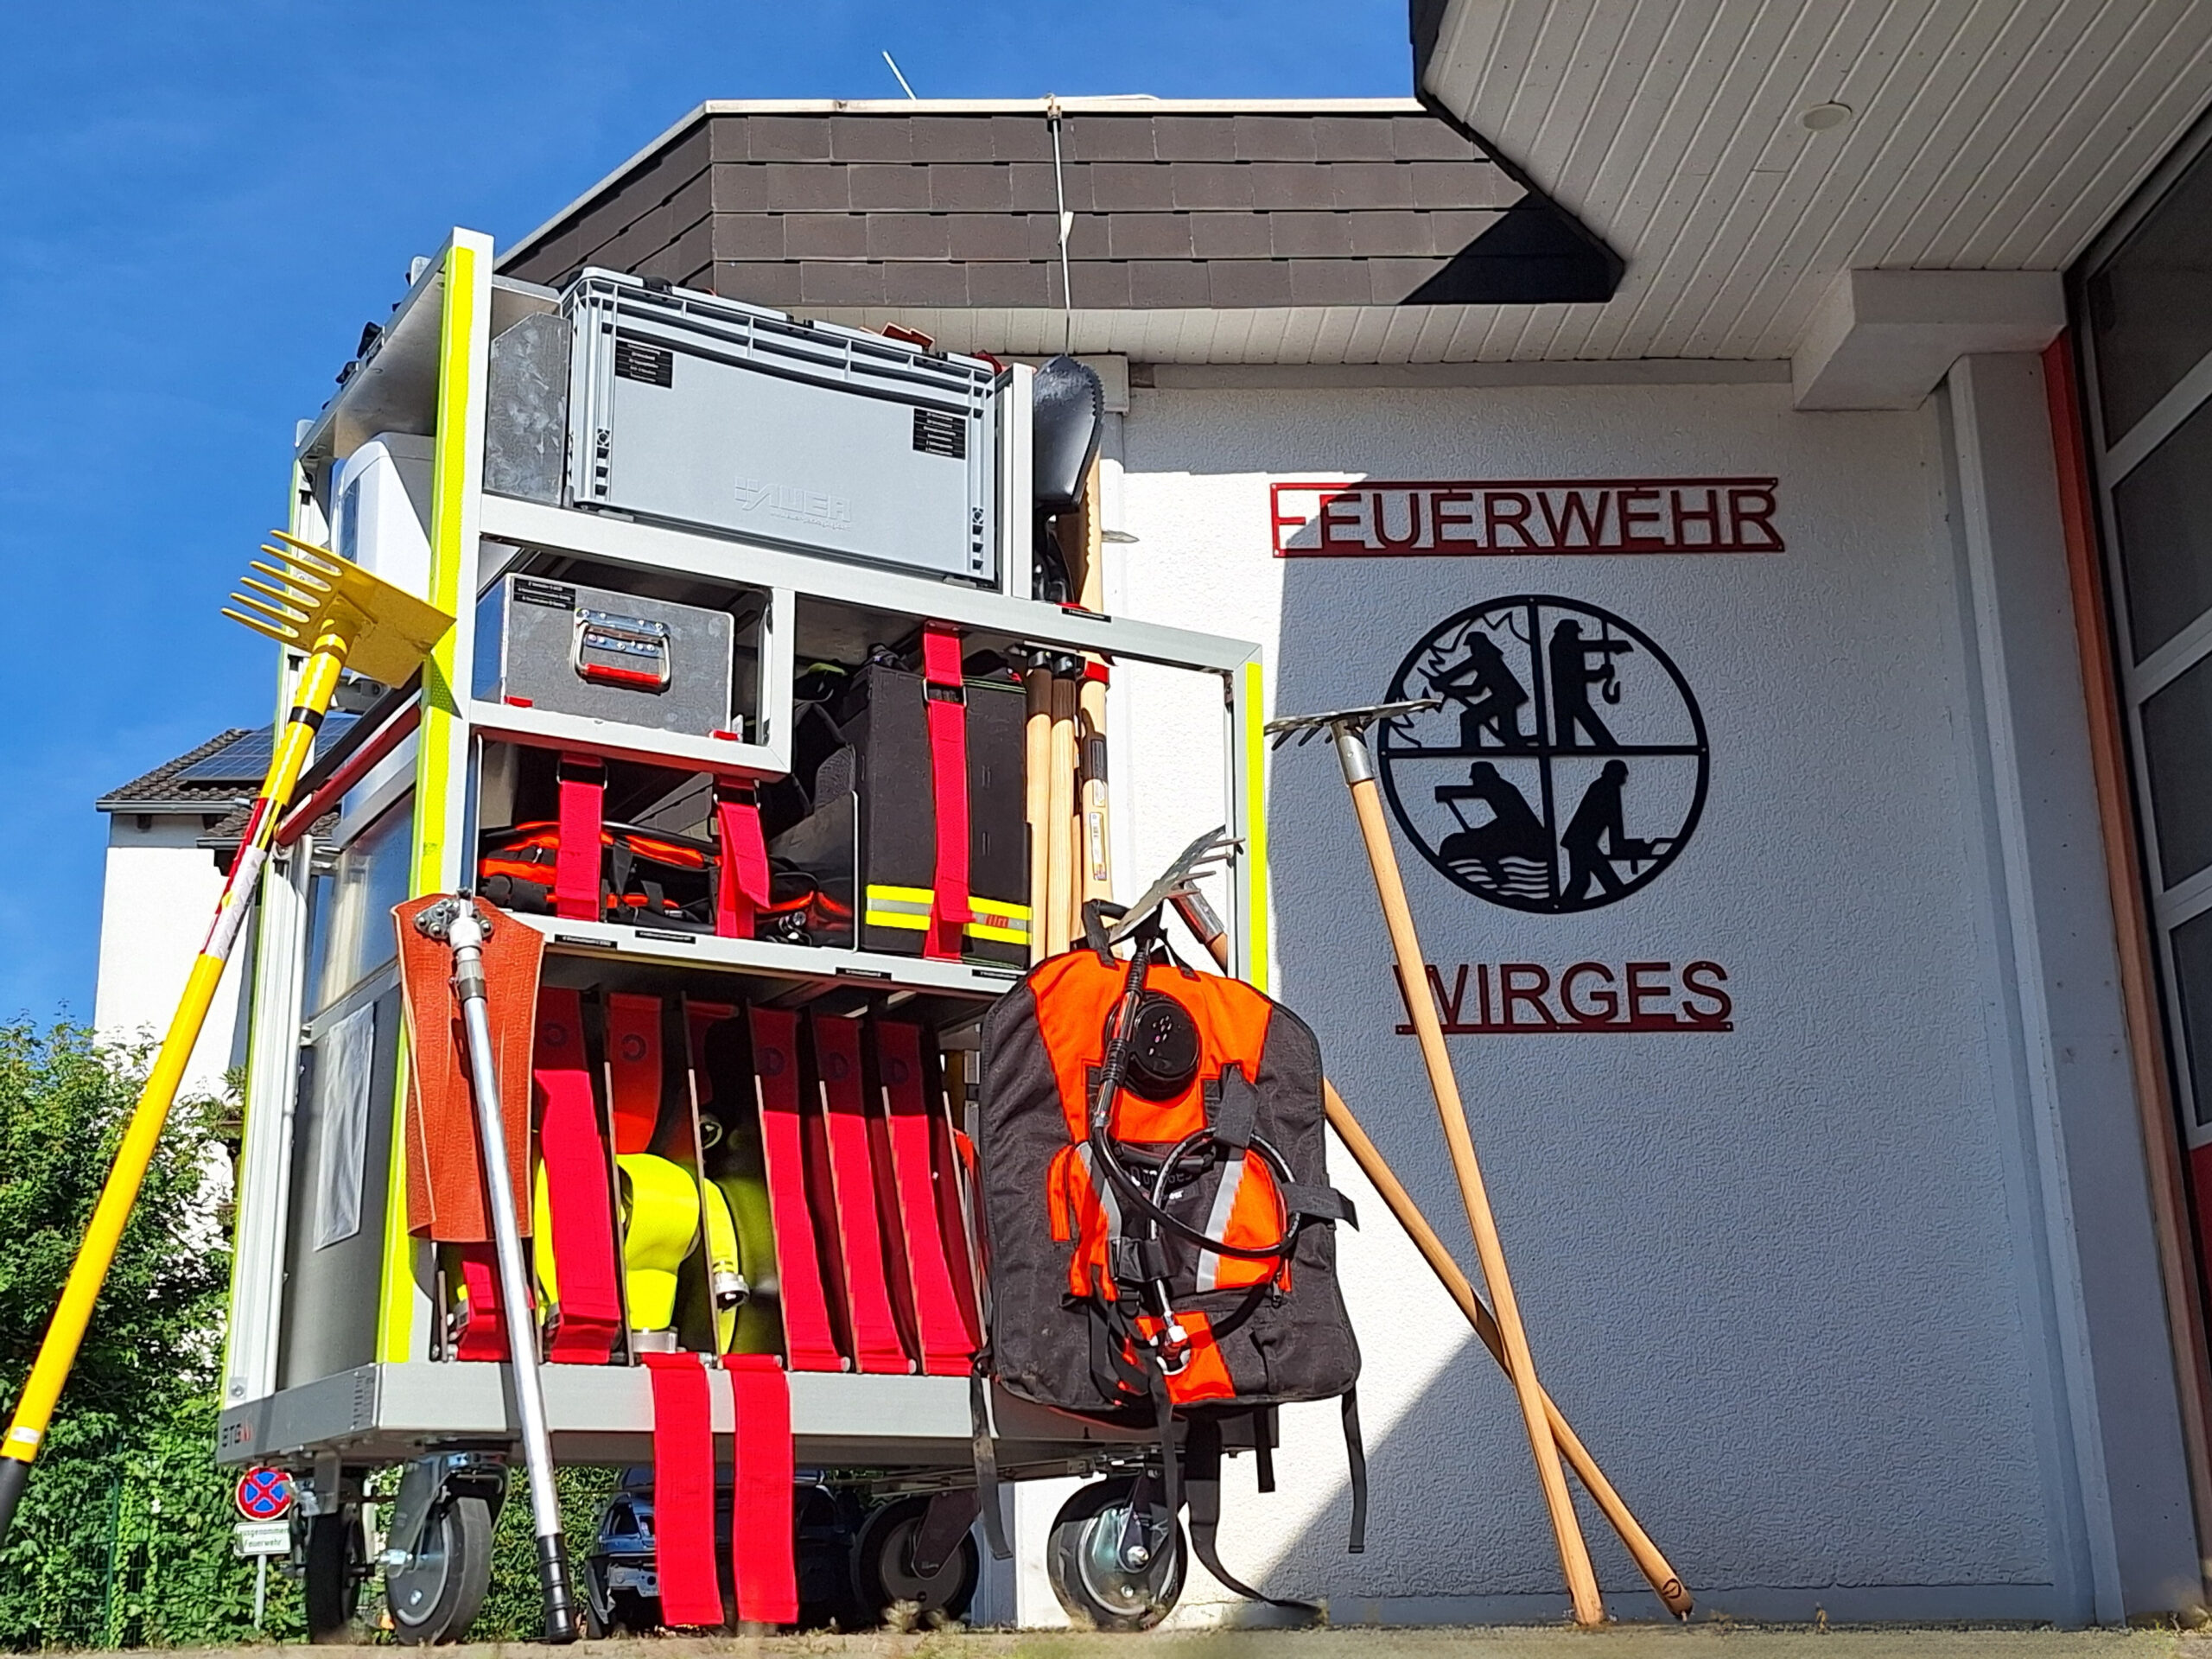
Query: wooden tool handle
pixel 1062 895
pixel 1037 737
pixel 1654 1565
pixel 1489 1250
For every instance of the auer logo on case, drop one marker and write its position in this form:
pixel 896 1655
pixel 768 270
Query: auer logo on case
pixel 814 507
pixel 1567 767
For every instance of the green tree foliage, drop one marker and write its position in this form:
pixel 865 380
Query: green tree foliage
pixel 124 1535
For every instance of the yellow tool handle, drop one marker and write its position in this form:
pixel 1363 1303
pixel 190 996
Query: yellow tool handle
pixel 65 1333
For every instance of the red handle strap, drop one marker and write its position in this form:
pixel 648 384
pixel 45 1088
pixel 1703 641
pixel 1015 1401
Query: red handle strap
pixel 575 1153
pixel 941 1333
pixel 743 885
pixel 876 1345
pixel 575 867
pixel 683 1490
pixel 483 1333
pixel 808 1339
pixel 763 1559
pixel 944 699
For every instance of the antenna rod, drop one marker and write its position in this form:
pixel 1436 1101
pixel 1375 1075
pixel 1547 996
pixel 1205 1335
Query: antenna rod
pixel 900 79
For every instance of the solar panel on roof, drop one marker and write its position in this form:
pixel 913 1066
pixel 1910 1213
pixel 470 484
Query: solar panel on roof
pixel 245 759
pixel 241 760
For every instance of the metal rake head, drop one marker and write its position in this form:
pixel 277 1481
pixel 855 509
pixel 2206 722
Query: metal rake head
pixel 1306 728
pixel 314 593
pixel 1211 851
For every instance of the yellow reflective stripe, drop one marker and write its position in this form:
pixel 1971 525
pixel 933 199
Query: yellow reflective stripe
pixel 910 908
pixel 880 893
pixel 896 918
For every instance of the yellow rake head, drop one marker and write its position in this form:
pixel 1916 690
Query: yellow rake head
pixel 388 630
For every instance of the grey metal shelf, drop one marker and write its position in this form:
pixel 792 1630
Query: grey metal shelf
pixel 604 1413
pixel 614 539
pixel 770 958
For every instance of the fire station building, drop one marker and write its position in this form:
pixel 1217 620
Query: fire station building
pixel 1777 438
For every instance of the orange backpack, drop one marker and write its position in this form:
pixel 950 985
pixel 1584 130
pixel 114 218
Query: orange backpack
pixel 1161 1231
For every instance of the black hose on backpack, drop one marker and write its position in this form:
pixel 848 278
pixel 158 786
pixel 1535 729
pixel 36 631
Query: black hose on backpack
pixel 1113 1067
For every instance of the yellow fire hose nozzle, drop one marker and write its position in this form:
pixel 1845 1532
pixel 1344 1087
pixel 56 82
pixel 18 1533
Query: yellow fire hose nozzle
pixel 343 617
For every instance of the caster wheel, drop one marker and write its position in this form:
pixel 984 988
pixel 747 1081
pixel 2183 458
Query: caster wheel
pixel 333 1563
pixel 884 1573
pixel 436 1595
pixel 1107 1574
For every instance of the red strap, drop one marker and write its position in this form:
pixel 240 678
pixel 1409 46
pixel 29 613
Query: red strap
pixel 576 869
pixel 743 887
pixel 761 1548
pixel 873 1329
pixel 699 1019
pixel 956 1202
pixel 808 1341
pixel 683 1490
pixel 633 1068
pixel 944 695
pixel 575 1154
pixel 483 1333
pixel 939 1332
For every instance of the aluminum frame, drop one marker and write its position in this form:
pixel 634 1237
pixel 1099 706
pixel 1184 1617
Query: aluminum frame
pixel 435 349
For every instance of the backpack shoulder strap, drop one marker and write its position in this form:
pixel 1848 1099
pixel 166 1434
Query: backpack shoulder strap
pixel 1202 1484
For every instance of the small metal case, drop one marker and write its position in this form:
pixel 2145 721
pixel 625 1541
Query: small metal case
pixel 604 655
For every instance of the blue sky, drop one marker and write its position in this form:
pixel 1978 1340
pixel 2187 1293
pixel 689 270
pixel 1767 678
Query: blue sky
pixel 204 202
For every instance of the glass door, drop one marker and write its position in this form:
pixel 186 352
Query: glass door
pixel 2144 320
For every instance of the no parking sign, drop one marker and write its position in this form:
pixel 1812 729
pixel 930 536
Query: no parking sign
pixel 264 1493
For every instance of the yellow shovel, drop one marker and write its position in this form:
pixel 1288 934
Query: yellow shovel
pixel 344 618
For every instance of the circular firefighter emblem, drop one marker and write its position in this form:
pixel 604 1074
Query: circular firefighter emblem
pixel 1567 767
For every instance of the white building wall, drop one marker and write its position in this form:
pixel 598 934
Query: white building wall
pixel 159 891
pixel 1787 1279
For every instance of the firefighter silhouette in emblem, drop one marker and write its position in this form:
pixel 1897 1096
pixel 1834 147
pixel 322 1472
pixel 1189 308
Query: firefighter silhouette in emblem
pixel 1490 697
pixel 1573 675
pixel 1514 831
pixel 1518 790
pixel 1595 841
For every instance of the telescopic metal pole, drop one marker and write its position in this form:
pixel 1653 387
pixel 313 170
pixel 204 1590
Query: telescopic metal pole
pixel 463 927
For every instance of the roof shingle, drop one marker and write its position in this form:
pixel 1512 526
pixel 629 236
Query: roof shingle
pixel 949 208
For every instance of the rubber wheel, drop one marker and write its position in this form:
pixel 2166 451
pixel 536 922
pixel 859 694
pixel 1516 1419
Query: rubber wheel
pixel 1083 1559
pixel 883 1566
pixel 330 1568
pixel 436 1595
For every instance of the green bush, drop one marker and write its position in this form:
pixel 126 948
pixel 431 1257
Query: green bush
pixel 124 1535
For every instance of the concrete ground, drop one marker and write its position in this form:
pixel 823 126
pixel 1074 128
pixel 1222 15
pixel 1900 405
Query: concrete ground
pixel 1716 1640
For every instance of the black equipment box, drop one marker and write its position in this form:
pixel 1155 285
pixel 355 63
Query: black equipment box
pixel 874 814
